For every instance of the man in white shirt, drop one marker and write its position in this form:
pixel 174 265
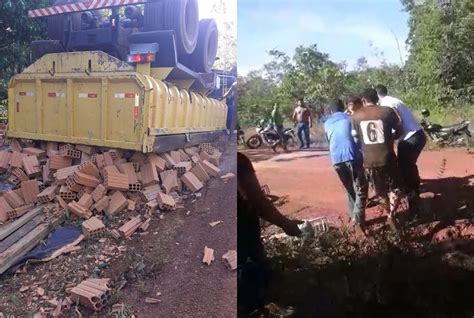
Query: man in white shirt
pixel 410 145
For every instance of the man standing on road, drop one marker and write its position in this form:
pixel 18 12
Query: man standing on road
pixel 411 143
pixel 347 161
pixel 277 122
pixel 373 126
pixel 252 204
pixel 302 118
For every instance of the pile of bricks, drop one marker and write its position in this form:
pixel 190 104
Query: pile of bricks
pixel 90 181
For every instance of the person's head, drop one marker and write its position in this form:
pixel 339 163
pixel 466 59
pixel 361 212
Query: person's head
pixel 336 105
pixel 354 103
pixel 381 90
pixel 369 96
pixel 300 102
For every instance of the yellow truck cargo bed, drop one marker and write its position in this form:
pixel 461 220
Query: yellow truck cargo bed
pixel 95 99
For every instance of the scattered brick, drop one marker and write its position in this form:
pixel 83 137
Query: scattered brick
pixel 5 160
pixel 150 192
pixel 31 151
pixel 86 149
pixel 151 207
pixel 98 192
pixel 89 168
pixel 210 168
pixel 102 204
pixel 93 227
pixel 61 202
pixel 208 257
pixel 62 174
pixel 200 172
pixel 86 200
pixel 145 225
pixel 17 212
pixel 30 191
pixel 13 199
pixel 118 202
pixel 66 194
pixel 108 159
pixel 176 156
pixel 158 162
pixel 116 181
pixel 79 210
pixel 191 182
pixel 169 180
pixel 31 166
pixel 130 227
pixel 91 293
pixel 16 159
pixel 182 167
pixel 149 174
pixel 131 205
pixel 69 151
pixel 230 259
pixel 85 179
pixel 115 234
pixel 20 174
pixel 5 208
pixel 165 201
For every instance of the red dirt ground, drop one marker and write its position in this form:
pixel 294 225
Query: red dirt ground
pixel 313 188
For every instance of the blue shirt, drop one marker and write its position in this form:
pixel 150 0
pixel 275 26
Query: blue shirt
pixel 342 147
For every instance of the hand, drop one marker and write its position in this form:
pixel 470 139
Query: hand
pixel 291 227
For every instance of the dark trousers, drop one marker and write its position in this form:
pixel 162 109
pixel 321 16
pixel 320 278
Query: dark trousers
pixel 408 152
pixel 303 134
pixel 353 178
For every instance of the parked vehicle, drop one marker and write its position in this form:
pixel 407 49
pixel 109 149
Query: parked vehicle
pixel 454 135
pixel 138 79
pixel 267 134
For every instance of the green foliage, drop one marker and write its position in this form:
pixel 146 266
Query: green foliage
pixel 438 75
pixel 17 33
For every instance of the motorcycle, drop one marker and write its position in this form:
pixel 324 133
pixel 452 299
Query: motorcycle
pixel 240 137
pixel 267 134
pixel 455 135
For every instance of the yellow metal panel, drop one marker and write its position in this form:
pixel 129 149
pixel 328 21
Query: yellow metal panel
pixel 86 109
pixel 185 108
pixel 25 106
pixel 124 111
pixel 173 106
pixel 54 107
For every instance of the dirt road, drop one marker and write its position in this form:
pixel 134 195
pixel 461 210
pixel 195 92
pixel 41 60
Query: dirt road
pixel 313 189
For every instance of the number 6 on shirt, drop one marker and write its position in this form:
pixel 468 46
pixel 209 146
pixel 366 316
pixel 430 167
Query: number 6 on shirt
pixel 372 132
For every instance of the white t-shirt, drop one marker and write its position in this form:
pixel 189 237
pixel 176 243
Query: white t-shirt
pixel 409 124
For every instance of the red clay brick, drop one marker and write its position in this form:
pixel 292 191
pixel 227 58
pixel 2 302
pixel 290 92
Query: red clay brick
pixel 79 210
pixel 158 162
pixel 85 179
pixel 99 192
pixel 230 259
pixel 182 167
pixel 191 182
pixel 16 159
pixel 51 148
pixel 92 227
pixel 86 200
pixel 165 202
pixel 149 174
pixel 30 191
pixel 169 179
pixel 130 227
pixel 15 145
pixel 31 151
pixel 13 199
pixel 199 171
pixel 15 213
pixel 69 151
pixel 61 202
pixel 176 156
pixel 208 255
pixel 47 194
pixel 210 168
pixel 5 160
pixel 62 174
pixel 116 181
pixel 31 166
pixel 89 168
pixel 169 159
pixel 108 159
pixel 57 162
pixel 102 204
pixel 5 208
pixel 118 202
pixel 129 170
pixel 66 194
pixel 150 192
pixel 86 149
pixel 20 174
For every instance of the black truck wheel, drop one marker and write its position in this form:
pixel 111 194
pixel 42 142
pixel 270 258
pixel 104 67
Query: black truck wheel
pixel 182 16
pixel 204 56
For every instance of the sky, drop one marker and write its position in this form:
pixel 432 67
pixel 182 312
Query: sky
pixel 342 28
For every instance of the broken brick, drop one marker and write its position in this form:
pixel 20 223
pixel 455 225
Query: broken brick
pixel 191 182
pixel 118 202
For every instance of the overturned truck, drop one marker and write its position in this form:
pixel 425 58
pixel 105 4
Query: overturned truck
pixel 135 78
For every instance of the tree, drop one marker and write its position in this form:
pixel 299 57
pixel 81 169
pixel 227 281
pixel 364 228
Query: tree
pixel 17 33
pixel 227 50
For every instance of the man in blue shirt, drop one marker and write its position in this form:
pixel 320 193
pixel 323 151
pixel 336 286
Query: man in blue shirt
pixel 347 161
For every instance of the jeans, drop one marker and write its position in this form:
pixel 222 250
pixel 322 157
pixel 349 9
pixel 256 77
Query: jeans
pixel 353 178
pixel 408 152
pixel 303 131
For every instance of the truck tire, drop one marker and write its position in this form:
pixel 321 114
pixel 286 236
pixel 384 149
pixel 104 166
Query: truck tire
pixel 204 56
pixel 153 16
pixel 57 24
pixel 182 16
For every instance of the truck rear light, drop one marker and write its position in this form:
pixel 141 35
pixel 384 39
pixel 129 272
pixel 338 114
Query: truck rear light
pixel 141 58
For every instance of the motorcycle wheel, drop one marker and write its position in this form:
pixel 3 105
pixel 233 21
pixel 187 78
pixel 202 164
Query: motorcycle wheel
pixel 291 142
pixel 254 142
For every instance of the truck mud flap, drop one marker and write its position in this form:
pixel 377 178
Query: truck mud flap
pixel 172 142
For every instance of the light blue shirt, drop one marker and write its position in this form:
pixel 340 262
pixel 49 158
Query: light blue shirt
pixel 342 147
